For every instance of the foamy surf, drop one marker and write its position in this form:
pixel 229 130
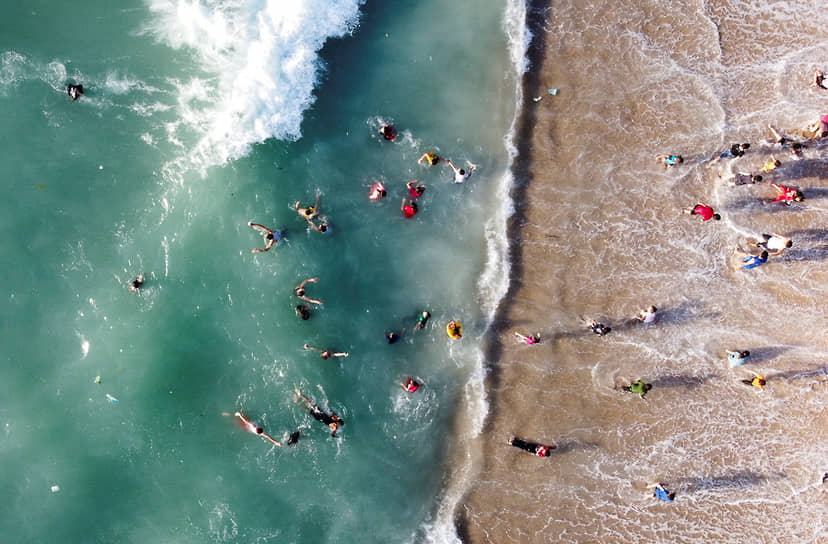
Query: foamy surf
pixel 259 65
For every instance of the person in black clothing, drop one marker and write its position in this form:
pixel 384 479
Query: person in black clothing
pixel 532 447
pixel 332 420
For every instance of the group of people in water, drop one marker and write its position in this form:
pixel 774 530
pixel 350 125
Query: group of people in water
pixel 766 245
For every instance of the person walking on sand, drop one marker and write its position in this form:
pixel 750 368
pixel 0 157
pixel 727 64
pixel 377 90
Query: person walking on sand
pixel 758 381
pixel 646 315
pixel 430 157
pixel 408 208
pixel 531 340
pixel 332 420
pixel 669 160
pixel 270 236
pixel 299 291
pixel 661 493
pixel 639 388
pixel 737 358
pixel 325 353
pixel 751 261
pixel 411 385
pixel 414 190
pixel 251 427
pixel 786 195
pixel 774 243
pixel 137 283
pixel 460 174
pixel 704 211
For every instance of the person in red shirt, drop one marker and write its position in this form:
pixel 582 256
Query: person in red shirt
pixel 415 190
pixel 411 385
pixel 409 210
pixel 787 194
pixel 705 211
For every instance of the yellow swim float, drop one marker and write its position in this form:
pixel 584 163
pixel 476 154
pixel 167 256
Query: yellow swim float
pixel 454 330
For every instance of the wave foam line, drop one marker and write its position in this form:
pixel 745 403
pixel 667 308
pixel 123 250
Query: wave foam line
pixel 259 62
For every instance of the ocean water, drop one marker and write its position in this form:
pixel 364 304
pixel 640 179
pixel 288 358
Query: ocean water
pixel 199 116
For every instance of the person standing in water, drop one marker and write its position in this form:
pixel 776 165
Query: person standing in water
pixel 251 427
pixel 460 174
pixel 299 291
pixel 332 420
pixel 270 236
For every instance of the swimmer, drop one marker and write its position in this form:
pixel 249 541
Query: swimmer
pixel 774 243
pixel 325 353
pixel 422 319
pixel 598 328
pixel 454 330
pixel 299 291
pixel 639 388
pixel 388 132
pixel 377 191
pixel 415 191
pixel 704 211
pixel 137 283
pixel 751 261
pixel 670 160
pixel 661 493
pixel 303 311
pixel 393 336
pixel 787 195
pixel 460 174
pixel 647 315
pixel 255 429
pixel 758 381
pixel 324 227
pixel 270 236
pixel 737 358
pixel 819 80
pixel 74 91
pixel 431 157
pixel 409 210
pixel 410 385
pixel 332 420
pixel 293 438
pixel 310 212
pixel 532 447
pixel 531 340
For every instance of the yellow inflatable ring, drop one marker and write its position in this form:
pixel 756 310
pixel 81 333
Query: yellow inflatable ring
pixel 454 330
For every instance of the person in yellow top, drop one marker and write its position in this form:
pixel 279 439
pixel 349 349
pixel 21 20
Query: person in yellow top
pixel 771 165
pixel 431 157
pixel 758 381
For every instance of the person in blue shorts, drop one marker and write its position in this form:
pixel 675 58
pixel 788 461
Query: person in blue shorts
pixel 270 236
pixel 752 261
pixel 661 493
pixel 670 160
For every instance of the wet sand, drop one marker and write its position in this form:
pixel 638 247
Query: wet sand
pixel 598 232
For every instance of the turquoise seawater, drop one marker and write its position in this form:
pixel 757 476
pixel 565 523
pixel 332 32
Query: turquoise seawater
pixel 186 132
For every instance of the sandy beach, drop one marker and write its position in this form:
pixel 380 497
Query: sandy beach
pixel 598 233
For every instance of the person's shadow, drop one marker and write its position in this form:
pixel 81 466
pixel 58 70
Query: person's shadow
pixel 740 479
pixel 690 381
pixel 762 355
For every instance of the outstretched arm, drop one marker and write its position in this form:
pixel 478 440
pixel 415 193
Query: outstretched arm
pixel 306 299
pixel 341 354
pixel 309 280
pixel 305 399
pixel 448 161
pixel 260 228
pixel 308 346
pixel 276 442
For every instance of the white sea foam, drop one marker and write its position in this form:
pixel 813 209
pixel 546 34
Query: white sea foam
pixel 259 62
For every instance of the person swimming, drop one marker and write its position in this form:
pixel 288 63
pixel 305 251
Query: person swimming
pixel 137 283
pixel 388 132
pixel 332 420
pixel 411 385
pixel 377 191
pixel 270 236
pixel 74 91
pixel 422 319
pixel 303 311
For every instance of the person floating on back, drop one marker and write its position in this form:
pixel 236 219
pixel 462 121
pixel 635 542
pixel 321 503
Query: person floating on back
pixel 251 427
pixel 639 388
pixel 270 236
pixel 332 420
pixel 137 283
pixel 325 353
pixel 74 91
pixel 704 211
pixel 532 447
pixel 737 358
pixel 669 160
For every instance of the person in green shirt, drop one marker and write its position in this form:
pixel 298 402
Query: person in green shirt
pixel 638 387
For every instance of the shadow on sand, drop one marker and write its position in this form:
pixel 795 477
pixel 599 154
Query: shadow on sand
pixel 689 381
pixel 741 479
